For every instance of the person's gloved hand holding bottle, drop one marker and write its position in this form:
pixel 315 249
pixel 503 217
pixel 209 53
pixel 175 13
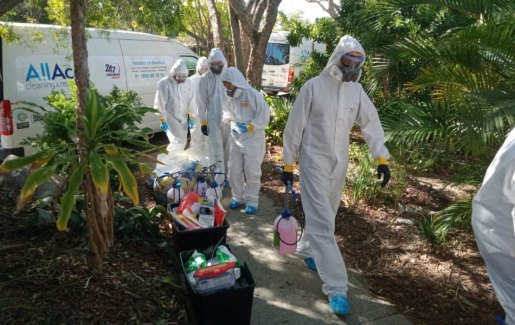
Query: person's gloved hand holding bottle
pixel 203 127
pixel 383 170
pixel 287 176
pixel 241 127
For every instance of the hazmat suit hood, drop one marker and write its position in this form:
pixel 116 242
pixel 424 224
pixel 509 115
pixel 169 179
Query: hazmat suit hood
pixel 346 44
pixel 202 63
pixel 235 77
pixel 217 55
pixel 178 68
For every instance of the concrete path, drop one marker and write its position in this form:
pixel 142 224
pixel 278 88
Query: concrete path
pixel 287 291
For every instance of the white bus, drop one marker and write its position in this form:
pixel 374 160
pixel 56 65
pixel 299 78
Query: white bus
pixel 41 61
pixel 283 62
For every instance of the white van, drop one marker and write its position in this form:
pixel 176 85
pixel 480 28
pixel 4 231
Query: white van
pixel 283 62
pixel 41 61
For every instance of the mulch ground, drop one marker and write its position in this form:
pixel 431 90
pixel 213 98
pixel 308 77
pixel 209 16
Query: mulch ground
pixel 430 284
pixel 44 277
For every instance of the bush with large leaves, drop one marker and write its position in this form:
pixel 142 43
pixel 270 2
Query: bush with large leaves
pixel 105 130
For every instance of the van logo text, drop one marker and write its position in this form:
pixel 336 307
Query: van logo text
pixel 47 73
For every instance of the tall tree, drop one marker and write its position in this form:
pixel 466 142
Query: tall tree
pixel 216 24
pixel 99 207
pixel 257 19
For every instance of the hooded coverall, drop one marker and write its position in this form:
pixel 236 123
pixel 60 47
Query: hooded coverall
pixel 197 138
pixel 175 100
pixel 211 101
pixel 493 221
pixel 247 149
pixel 318 129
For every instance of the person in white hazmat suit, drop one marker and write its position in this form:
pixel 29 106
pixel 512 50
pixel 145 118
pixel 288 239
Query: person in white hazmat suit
pixel 211 100
pixel 196 135
pixel 493 221
pixel 318 129
pixel 174 99
pixel 248 114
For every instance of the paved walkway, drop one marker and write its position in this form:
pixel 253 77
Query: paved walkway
pixel 286 291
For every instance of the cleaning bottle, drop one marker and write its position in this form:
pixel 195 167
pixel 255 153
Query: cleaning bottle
pixel 201 186
pixel 285 233
pixel 176 193
pixel 214 190
pixel 285 228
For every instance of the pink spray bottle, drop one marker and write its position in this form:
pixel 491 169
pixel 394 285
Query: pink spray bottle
pixel 285 229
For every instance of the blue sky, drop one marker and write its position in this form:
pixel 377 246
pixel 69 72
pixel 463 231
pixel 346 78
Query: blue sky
pixel 310 10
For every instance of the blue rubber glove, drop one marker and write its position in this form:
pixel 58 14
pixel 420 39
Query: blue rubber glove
pixel 242 127
pixel 191 124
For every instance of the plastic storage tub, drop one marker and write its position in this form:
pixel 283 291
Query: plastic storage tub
pixel 200 238
pixel 225 306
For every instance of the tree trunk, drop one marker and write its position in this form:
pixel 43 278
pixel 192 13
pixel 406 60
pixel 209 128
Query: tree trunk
pixel 100 220
pixel 6 5
pixel 99 207
pixel 257 19
pixel 245 49
pixel 332 8
pixel 256 60
pixel 216 23
pixel 236 38
pixel 80 56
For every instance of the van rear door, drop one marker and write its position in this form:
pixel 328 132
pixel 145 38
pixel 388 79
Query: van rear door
pixel 276 67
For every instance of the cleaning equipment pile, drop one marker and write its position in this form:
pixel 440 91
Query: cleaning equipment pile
pixel 192 195
pixel 208 275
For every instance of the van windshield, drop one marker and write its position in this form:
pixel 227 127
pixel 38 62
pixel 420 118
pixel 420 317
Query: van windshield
pixel 277 54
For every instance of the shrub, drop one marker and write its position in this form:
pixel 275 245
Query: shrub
pixel 279 109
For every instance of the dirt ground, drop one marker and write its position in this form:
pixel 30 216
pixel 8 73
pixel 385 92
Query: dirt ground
pixel 44 278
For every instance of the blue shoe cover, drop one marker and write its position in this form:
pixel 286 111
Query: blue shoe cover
pixel 339 305
pixel 250 209
pixel 310 262
pixel 234 204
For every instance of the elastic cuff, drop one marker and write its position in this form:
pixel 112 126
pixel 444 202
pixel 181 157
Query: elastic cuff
pixel 250 127
pixel 382 161
pixel 203 123
pixel 288 168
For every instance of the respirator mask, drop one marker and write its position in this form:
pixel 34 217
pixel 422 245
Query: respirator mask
pixel 350 67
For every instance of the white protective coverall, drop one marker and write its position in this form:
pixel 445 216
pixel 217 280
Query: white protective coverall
pixel 197 137
pixel 211 101
pixel 247 149
pixel 493 221
pixel 318 128
pixel 175 100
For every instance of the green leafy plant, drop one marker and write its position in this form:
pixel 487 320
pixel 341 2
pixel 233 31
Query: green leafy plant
pixel 105 128
pixel 455 216
pixel 279 109
pixel 427 230
pixel 137 222
pixel 362 183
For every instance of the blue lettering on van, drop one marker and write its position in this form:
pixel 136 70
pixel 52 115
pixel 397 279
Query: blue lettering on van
pixel 44 72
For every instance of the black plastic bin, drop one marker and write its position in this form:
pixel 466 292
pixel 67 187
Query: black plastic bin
pixel 200 238
pixel 229 306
